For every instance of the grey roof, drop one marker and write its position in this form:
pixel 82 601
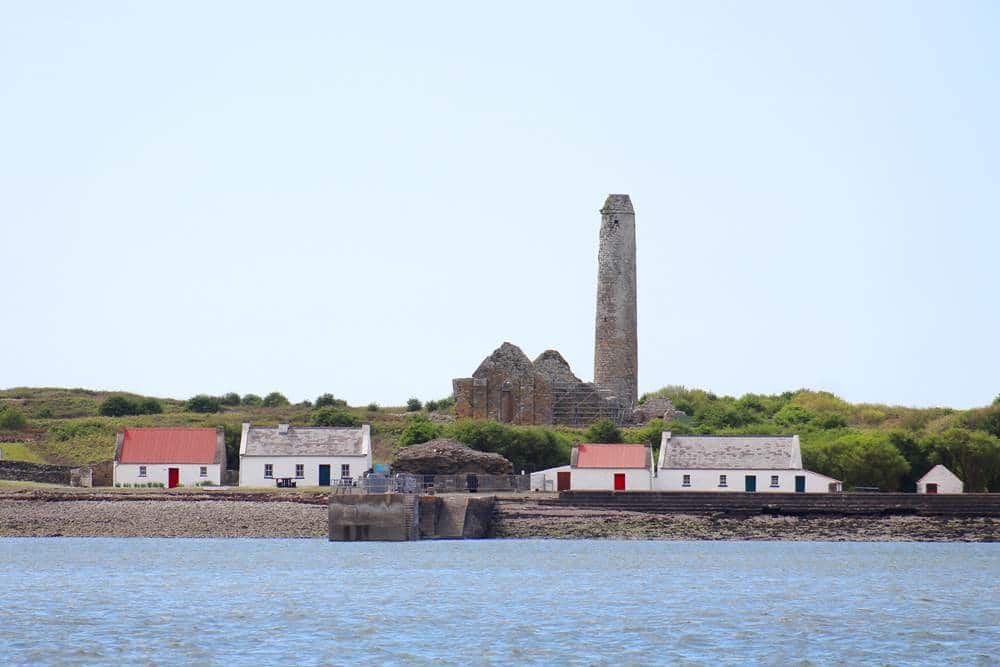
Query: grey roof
pixel 305 441
pixel 717 452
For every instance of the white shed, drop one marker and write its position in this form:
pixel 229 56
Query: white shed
pixel 547 480
pixel 312 456
pixel 940 480
pixel 756 464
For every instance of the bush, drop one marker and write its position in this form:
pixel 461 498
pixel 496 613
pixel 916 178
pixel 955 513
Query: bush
pixel 603 431
pixel 231 399
pixel 329 401
pixel 332 417
pixel 275 400
pixel 203 403
pixel 118 406
pixel 11 418
pixel 431 406
pixel 859 459
pixel 830 421
pixel 794 416
pixel 121 406
pixel 251 400
pixel 526 447
pixel 373 407
pixel 418 429
pixel 413 405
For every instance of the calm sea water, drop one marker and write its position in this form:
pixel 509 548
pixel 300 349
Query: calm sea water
pixel 183 601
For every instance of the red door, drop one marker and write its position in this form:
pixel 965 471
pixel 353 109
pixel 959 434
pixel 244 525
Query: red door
pixel 562 481
pixel 932 488
pixel 619 481
pixel 173 477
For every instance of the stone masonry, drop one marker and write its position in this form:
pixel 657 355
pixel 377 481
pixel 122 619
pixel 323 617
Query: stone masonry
pixel 509 388
pixel 616 356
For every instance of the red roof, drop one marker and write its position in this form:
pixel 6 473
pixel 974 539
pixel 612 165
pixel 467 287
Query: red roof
pixel 168 445
pixel 611 456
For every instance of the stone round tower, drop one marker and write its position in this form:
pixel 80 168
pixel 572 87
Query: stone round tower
pixel 616 355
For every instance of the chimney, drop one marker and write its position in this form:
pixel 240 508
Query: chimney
pixel 283 429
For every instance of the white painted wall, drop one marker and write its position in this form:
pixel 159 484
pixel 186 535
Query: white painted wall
pixel 190 473
pixel 947 482
pixel 252 468
pixel 603 479
pixel 545 480
pixel 672 479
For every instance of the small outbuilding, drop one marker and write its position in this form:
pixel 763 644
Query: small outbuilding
pixel 611 467
pixel 741 463
pixel 309 456
pixel 547 480
pixel 940 480
pixel 170 456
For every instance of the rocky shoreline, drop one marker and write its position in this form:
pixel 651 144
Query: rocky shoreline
pixel 304 515
pixel 528 519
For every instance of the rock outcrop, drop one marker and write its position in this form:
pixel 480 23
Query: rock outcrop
pixel 449 457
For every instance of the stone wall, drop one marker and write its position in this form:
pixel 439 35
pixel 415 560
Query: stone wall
pixel 35 472
pixel 506 388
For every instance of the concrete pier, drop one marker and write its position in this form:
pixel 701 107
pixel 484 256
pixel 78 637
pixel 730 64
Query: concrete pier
pixel 400 517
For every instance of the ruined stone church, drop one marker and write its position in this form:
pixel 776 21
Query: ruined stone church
pixel 510 388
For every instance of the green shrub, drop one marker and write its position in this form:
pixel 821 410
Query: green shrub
pixel 332 417
pixel 230 399
pixel 251 400
pixel 603 431
pixel 373 407
pixel 11 418
pixel 150 406
pixel 431 406
pixel 329 401
pixel 275 400
pixel 413 405
pixel 118 406
pixel 830 421
pixel 794 416
pixel 204 403
pixel 858 459
pixel 526 447
pixel 418 429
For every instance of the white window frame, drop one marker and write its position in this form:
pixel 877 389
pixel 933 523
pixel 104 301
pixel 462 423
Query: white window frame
pixel 686 480
pixel 774 482
pixel 345 471
pixel 723 481
pixel 300 471
pixel 268 471
pixel 142 471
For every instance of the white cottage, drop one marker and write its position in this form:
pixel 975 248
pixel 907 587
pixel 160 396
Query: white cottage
pixel 312 456
pixel 768 464
pixel 940 480
pixel 546 480
pixel 170 456
pixel 612 467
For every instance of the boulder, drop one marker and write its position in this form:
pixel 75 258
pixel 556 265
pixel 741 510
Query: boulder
pixel 448 457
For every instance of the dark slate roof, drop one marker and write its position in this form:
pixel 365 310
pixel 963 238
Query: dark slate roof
pixel 305 441
pixel 716 452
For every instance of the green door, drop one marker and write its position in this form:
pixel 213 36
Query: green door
pixel 324 475
pixel 751 483
pixel 800 484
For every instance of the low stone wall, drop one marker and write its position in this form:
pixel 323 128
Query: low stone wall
pixel 35 472
pixel 787 504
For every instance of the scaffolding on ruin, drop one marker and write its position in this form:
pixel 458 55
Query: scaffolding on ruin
pixel 583 403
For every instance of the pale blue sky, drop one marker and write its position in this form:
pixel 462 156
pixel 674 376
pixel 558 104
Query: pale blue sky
pixel 369 198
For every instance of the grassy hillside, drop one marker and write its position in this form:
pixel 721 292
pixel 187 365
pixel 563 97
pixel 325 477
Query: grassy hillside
pixel 862 444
